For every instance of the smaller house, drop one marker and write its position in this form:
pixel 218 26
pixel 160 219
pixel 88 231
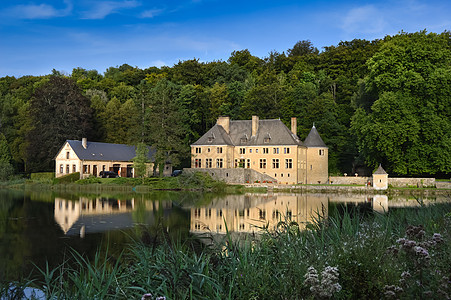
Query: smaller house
pixel 380 179
pixel 90 158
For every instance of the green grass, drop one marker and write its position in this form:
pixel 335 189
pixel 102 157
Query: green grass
pixel 365 250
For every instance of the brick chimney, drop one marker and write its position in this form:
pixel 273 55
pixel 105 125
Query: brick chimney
pixel 254 125
pixel 294 125
pixel 84 142
pixel 225 123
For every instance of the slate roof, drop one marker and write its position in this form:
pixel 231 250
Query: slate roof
pixel 313 139
pixel 105 151
pixel 270 132
pixel 380 171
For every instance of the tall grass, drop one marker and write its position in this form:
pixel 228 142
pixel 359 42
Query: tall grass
pixel 365 255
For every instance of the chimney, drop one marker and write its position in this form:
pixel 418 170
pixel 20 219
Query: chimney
pixel 84 142
pixel 254 125
pixel 294 125
pixel 225 123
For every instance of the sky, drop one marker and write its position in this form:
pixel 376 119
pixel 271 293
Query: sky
pixel 37 36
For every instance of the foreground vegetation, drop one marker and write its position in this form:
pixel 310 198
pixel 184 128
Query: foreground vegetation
pixel 404 253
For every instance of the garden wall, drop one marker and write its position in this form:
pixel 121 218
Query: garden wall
pixel 238 175
pixel 395 182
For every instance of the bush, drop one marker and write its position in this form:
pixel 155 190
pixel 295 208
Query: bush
pixel 6 170
pixel 42 177
pixel 67 178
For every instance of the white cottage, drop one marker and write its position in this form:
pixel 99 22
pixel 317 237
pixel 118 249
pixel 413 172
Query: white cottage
pixel 90 158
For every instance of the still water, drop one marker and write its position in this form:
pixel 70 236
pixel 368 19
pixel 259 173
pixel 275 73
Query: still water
pixel 36 227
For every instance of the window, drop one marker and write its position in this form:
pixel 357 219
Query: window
pixel 85 169
pixel 208 150
pixel 276 150
pixel 250 150
pixel 103 168
pixel 248 163
pixel 321 152
pixel 265 150
pixel 241 226
pixel 256 150
pixel 288 163
pixel 198 163
pixel 262 214
pixel 219 149
pixel 198 150
pixel 74 168
pixel 275 163
pixel 208 163
pixel 219 163
pixel 67 155
pixel 197 212
pixel 61 169
pixel 311 167
pixel 208 213
pixel 219 213
pixel 242 150
pixel 67 169
pixel 266 140
pixel 286 150
pixel 263 163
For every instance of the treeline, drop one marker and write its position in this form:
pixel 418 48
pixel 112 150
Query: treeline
pixel 383 101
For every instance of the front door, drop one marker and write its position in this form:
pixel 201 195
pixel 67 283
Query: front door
pixel 94 170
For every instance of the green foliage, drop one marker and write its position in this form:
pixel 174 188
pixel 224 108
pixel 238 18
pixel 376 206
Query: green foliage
pixel 352 91
pixel 89 180
pixel 70 178
pixel 141 160
pixel 43 176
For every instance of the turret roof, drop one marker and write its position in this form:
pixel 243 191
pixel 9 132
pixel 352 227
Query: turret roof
pixel 380 171
pixel 314 139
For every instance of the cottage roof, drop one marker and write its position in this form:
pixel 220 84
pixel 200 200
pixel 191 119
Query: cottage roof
pixel 105 151
pixel 314 139
pixel 270 132
pixel 380 171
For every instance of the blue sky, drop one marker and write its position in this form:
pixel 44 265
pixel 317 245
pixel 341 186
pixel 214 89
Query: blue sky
pixel 37 36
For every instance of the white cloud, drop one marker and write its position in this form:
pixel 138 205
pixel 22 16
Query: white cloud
pixel 41 11
pixel 151 13
pixel 364 19
pixel 101 9
pixel 158 63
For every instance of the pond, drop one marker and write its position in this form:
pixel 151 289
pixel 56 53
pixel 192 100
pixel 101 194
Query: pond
pixel 36 227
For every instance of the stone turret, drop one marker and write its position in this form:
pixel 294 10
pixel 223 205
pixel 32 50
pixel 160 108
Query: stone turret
pixel 380 179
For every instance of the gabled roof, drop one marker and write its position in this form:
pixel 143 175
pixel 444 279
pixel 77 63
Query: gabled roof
pixel 270 132
pixel 313 139
pixel 105 151
pixel 380 171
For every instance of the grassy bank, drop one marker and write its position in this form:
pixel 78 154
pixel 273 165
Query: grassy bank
pixel 404 254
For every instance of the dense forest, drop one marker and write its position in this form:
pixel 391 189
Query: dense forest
pixel 384 101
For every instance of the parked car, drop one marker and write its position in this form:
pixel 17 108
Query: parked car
pixel 108 174
pixel 176 173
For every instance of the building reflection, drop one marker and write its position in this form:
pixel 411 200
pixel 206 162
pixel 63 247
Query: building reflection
pixel 252 212
pixel 90 215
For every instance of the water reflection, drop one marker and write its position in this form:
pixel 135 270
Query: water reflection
pixel 100 214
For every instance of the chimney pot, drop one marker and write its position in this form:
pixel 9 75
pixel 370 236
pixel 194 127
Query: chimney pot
pixel 255 120
pixel 294 126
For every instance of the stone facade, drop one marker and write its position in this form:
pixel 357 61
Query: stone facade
pixel 265 146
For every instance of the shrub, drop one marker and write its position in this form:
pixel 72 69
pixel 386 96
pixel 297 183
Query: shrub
pixel 67 178
pixel 42 177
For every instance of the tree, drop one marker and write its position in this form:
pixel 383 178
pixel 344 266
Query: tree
pixel 140 161
pixel 302 48
pixel 408 128
pixel 58 112
pixel 163 123
pixel 6 169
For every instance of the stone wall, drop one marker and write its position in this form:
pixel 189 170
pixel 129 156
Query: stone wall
pixel 411 182
pixel 238 175
pixel 358 180
pixel 395 182
pixel 443 184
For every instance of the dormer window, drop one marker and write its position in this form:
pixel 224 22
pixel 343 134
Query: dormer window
pixel 211 138
pixel 267 138
pixel 244 139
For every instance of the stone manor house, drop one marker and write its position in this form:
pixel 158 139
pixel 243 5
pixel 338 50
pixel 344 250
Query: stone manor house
pixel 267 148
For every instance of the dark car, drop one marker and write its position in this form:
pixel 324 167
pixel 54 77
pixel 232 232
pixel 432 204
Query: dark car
pixel 176 173
pixel 108 174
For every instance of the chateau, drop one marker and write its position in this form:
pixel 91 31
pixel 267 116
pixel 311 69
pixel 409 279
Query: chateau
pixel 267 147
